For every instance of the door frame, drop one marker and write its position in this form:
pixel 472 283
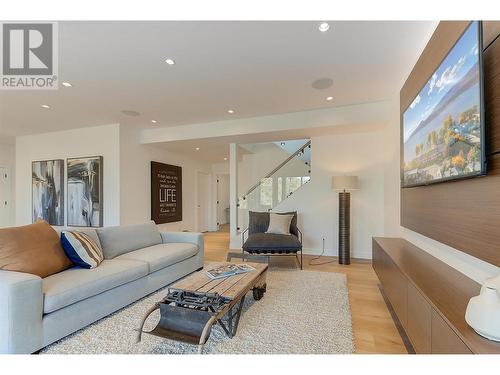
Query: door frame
pixel 10 191
pixel 216 197
pixel 209 203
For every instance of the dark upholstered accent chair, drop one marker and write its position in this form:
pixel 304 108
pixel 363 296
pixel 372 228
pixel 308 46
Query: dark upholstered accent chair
pixel 268 244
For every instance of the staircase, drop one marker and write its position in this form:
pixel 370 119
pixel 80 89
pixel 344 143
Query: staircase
pixel 290 147
pixel 279 184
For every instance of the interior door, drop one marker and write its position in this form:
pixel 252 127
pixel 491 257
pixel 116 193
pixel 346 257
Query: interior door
pixel 222 198
pixel 5 197
pixel 203 201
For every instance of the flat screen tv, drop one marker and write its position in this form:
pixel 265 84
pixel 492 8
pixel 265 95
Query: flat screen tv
pixel 443 127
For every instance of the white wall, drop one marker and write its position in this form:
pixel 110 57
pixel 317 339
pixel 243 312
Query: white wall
pixel 220 168
pixel 355 154
pixel 135 180
pixel 7 160
pixel 254 162
pixel 358 154
pixel 126 181
pixel 95 141
pixel 254 166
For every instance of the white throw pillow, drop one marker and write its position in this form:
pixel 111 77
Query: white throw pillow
pixel 279 224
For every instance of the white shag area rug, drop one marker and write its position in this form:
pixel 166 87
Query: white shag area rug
pixel 302 312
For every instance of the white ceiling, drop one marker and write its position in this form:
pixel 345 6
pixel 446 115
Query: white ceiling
pixel 256 68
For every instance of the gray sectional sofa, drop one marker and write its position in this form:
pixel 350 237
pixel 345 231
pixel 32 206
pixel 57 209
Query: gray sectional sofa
pixel 36 312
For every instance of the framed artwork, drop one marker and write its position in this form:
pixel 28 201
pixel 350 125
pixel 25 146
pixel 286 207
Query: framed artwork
pixel 47 180
pixel 85 191
pixel 166 193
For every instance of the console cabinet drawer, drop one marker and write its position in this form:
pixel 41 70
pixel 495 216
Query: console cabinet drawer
pixel 393 282
pixel 419 321
pixel 444 339
pixel 396 290
pixel 378 261
pixel 429 298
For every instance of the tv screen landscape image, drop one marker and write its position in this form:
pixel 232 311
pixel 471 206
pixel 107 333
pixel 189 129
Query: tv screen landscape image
pixel 443 130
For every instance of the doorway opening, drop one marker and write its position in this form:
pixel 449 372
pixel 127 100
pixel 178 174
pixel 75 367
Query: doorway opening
pixel 222 202
pixel 5 202
pixel 202 201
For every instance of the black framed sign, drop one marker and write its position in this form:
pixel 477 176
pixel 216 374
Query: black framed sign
pixel 166 193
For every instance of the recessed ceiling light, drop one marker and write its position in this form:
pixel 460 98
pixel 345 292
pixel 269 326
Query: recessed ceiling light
pixel 67 84
pixel 45 106
pixel 154 121
pixel 324 27
pixel 170 61
pixel 230 111
pixel 330 98
pixel 197 149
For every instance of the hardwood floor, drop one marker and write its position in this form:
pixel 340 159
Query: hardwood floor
pixel 374 329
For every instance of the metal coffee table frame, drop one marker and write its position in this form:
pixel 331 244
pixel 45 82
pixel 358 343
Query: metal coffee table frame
pixel 188 316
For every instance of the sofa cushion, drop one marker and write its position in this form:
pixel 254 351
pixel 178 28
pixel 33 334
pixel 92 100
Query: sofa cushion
pixel 270 243
pixel 75 284
pixel 123 239
pixel 163 255
pixel 34 249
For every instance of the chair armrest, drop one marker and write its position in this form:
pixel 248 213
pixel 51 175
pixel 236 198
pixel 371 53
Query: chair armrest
pixel 243 237
pixel 21 311
pixel 300 235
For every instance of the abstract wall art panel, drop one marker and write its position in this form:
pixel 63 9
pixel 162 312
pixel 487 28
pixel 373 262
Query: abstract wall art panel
pixel 48 191
pixel 85 206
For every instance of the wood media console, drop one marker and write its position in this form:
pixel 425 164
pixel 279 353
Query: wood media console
pixel 429 298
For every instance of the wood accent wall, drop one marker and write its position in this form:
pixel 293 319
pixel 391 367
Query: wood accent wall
pixel 464 214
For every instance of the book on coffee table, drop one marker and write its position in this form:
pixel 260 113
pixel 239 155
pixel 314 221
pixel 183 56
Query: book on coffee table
pixel 227 270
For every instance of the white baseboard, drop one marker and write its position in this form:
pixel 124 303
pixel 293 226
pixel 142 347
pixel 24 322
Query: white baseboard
pixel 331 252
pixel 316 252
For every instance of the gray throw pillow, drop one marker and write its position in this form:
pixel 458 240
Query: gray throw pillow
pixel 279 223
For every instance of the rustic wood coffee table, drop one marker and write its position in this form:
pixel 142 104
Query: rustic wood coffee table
pixel 196 303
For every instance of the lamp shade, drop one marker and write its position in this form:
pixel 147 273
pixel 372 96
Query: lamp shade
pixel 345 183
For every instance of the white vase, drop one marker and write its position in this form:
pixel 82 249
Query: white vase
pixel 483 311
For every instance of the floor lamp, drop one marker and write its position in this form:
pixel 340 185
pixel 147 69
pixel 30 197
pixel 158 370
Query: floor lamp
pixel 344 184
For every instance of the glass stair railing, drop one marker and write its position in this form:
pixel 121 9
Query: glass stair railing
pixel 278 185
